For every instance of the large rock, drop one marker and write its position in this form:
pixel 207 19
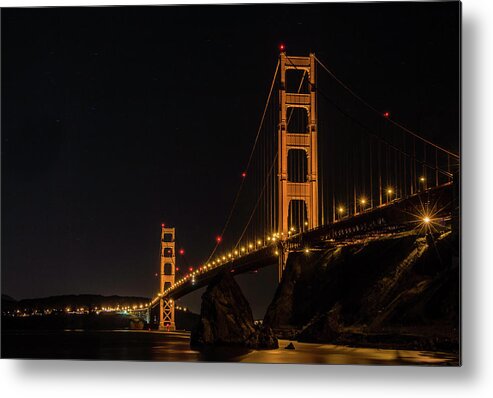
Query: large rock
pixel 226 319
pixel 402 291
pixel 293 305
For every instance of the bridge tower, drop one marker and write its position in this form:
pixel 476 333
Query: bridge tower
pixel 288 190
pixel 167 305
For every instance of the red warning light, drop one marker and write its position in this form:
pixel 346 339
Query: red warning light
pixel 218 239
pixel 190 269
pixel 386 114
pixel 282 47
pixel 182 252
pixel 243 174
pixel 177 268
pixel 162 225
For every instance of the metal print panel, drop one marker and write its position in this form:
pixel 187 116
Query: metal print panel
pixel 236 183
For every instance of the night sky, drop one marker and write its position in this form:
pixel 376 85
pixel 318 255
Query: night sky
pixel 115 119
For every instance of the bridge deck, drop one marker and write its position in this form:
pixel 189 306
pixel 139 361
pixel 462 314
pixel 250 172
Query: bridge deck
pixel 392 218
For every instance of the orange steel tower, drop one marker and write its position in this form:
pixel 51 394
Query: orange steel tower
pixel 167 305
pixel 288 190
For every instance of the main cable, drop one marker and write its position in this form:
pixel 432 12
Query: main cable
pixel 407 130
pixel 247 166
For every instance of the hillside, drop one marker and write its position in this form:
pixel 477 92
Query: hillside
pixel 401 292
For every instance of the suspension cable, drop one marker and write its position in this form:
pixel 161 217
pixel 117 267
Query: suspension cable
pixel 369 131
pixel 407 130
pixel 248 164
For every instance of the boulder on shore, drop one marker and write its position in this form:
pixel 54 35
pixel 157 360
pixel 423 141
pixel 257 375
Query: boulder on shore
pixel 226 319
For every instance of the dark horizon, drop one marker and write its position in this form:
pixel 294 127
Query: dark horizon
pixel 116 119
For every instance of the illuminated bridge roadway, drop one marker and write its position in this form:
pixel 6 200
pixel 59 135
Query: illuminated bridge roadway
pixel 406 215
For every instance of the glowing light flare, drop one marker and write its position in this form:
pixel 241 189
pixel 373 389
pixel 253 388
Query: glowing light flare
pixel 244 174
pixel 386 114
pixel 340 209
pixel 282 47
pixel 426 217
pixel 181 251
pixel 219 239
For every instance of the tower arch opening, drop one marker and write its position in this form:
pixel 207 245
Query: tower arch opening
pixel 297 216
pixel 297 120
pixel 297 165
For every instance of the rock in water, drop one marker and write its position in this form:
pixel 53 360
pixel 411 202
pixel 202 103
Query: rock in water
pixel 290 346
pixel 226 319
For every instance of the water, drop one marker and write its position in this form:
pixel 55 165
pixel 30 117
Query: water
pixel 158 346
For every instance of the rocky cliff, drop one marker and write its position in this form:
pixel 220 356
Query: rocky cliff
pixel 398 291
pixel 226 319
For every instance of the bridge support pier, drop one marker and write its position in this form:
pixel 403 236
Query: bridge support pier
pixel 283 260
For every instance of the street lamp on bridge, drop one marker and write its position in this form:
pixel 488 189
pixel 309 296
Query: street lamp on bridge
pixel 362 203
pixel 340 211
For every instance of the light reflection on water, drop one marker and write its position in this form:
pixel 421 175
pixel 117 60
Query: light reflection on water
pixel 333 354
pixel 157 346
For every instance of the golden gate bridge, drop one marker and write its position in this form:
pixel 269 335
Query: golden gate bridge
pixel 326 168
